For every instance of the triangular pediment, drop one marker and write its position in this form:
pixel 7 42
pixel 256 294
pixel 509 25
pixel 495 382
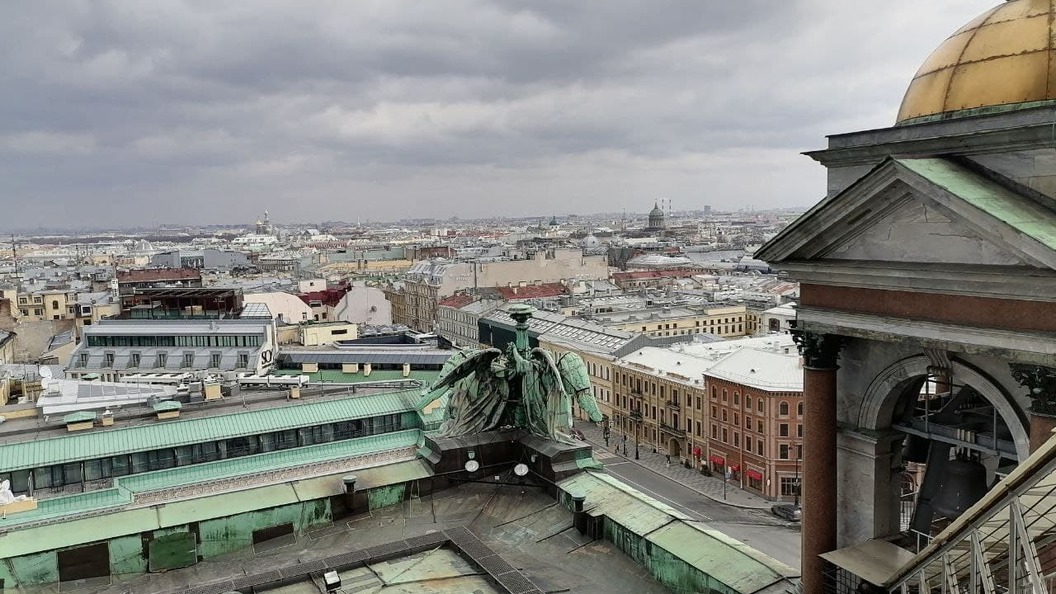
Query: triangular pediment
pixel 922 211
pixel 919 232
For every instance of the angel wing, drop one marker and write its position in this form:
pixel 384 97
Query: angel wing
pixel 458 367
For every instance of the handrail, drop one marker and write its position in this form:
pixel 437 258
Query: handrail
pixel 1039 465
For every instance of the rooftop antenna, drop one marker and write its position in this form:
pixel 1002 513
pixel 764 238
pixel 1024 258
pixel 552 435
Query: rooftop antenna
pixel 14 254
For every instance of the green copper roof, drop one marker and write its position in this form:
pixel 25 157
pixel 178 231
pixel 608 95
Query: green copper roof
pixel 125 487
pixel 79 417
pixel 168 406
pixel 627 507
pixel 722 559
pixel 1019 212
pixel 105 441
pixel 726 560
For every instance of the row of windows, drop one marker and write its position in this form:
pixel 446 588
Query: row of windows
pixel 784 450
pixel 252 340
pixel 160 360
pixel 731 329
pixel 782 406
pixel 76 473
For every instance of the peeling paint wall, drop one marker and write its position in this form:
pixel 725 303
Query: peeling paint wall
pixel 219 536
pixel 385 496
pixel 126 555
pixel 41 568
pixel 668 569
pixel 225 535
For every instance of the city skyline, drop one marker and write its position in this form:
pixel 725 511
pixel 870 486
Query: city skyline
pixel 175 114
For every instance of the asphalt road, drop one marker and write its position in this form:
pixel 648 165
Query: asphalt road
pixel 757 528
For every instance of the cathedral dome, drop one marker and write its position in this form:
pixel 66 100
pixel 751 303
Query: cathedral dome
pixel 1003 57
pixel 656 217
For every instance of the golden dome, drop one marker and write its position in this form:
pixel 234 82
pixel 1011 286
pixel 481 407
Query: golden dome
pixel 1004 56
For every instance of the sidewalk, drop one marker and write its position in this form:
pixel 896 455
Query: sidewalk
pixel 710 487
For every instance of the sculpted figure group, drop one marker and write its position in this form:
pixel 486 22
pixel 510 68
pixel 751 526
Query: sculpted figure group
pixel 528 388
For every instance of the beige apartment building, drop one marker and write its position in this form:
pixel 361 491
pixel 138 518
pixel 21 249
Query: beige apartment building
pixel 45 305
pixel 726 321
pixel 599 347
pixel 656 392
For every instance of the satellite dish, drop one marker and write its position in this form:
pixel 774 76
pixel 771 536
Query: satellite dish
pixel 472 466
pixel 520 469
pixel 45 372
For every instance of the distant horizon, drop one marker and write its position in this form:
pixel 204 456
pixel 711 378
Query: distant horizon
pixel 61 231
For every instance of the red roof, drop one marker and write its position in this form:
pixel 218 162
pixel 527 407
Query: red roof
pixel 457 301
pixel 329 297
pixel 150 275
pixel 532 291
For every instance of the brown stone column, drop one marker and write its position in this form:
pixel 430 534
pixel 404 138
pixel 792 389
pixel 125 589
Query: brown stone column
pixel 1041 385
pixel 819 453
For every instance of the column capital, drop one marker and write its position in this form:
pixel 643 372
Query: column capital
pixel 1040 383
pixel 819 351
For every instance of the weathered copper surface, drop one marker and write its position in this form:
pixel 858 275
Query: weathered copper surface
pixel 526 388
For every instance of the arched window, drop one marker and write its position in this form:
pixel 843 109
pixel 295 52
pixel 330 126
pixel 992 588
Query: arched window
pixel 782 409
pixel 748 402
pixel 55 304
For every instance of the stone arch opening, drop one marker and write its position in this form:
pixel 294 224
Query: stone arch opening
pixel 674 448
pixel 952 430
pixel 890 388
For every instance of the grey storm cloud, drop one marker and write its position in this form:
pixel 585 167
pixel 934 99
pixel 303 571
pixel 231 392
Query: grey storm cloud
pixel 131 113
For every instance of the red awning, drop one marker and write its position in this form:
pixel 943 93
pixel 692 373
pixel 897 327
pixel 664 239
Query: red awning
pixel 717 459
pixel 696 451
pixel 754 474
pixel 735 467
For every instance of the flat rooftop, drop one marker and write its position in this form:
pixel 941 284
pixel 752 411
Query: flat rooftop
pixel 470 532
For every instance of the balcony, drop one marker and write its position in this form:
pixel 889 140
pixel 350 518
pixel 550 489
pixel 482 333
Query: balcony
pixel 675 404
pixel 672 430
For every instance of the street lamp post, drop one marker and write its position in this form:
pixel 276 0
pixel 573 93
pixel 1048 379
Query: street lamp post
pixel 796 485
pixel 636 416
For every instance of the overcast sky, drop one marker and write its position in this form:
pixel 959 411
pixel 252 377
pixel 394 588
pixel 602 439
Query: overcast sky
pixel 131 113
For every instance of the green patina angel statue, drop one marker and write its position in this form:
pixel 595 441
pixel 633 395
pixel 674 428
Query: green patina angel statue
pixel 528 388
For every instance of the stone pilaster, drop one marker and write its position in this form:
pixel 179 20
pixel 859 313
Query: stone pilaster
pixel 820 353
pixel 1040 383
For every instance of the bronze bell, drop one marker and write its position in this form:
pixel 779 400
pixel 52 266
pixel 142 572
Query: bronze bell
pixel 916 449
pixel 963 484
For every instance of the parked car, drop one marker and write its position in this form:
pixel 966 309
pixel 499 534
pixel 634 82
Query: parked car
pixel 790 512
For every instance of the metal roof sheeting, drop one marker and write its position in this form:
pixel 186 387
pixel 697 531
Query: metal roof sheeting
pixel 104 442
pixel 625 506
pixel 723 559
pixel 729 561
pixel 121 494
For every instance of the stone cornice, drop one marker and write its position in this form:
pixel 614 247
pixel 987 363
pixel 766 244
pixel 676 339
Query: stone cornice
pixel 1025 347
pixel 970 136
pixel 1027 284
